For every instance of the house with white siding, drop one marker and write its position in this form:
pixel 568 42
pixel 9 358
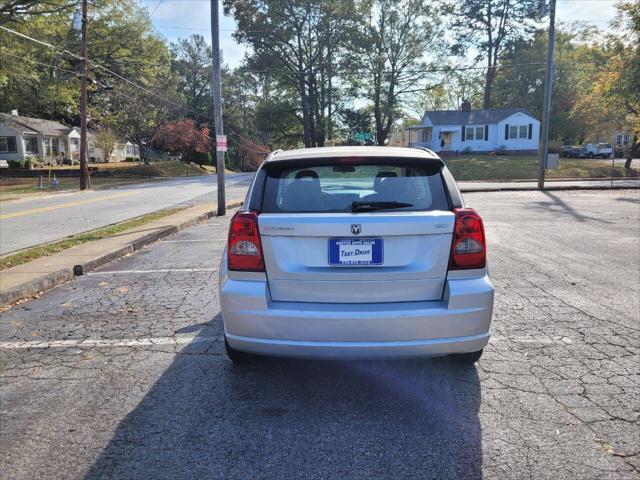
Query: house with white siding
pixel 512 130
pixel 49 141
pixel 22 137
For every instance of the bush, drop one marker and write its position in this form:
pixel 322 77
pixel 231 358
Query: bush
pixel 502 150
pixel 14 163
pixel 466 150
pixel 130 159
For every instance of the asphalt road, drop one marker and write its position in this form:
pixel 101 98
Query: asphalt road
pixel 36 220
pixel 121 374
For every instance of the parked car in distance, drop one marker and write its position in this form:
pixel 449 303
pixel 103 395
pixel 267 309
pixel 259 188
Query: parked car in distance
pixel 599 150
pixel 4 164
pixel 355 252
pixel 579 152
pixel 566 150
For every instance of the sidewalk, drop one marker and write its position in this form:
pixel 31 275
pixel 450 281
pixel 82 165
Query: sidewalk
pixel 483 186
pixel 28 279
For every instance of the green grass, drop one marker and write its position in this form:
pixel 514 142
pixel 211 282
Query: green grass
pixel 504 168
pixel 34 253
pixel 123 173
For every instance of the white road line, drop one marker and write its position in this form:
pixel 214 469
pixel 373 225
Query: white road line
pixel 117 342
pixel 160 270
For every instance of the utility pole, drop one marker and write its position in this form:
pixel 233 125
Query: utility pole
pixel 548 84
pixel 217 102
pixel 85 181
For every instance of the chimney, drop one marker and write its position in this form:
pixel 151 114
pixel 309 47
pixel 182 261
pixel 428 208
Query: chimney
pixel 466 105
pixel 14 112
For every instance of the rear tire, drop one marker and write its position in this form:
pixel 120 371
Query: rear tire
pixel 236 356
pixel 468 358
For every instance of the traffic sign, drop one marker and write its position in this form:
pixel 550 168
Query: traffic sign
pixel 363 137
pixel 221 143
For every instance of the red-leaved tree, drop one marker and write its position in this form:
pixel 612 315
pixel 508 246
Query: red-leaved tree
pixel 185 138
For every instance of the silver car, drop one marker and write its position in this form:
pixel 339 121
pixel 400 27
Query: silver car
pixel 355 252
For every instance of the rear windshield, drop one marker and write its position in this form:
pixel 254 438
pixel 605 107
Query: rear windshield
pixel 335 186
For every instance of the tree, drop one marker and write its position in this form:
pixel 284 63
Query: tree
pixel 489 26
pixel 300 45
pixel 44 82
pixel 21 10
pixel 610 99
pixel 394 39
pixel 183 137
pixel 192 65
pixel 519 81
pixel 105 140
pixel 356 120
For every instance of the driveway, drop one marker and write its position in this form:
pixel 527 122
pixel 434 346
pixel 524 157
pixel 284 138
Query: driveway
pixel 121 374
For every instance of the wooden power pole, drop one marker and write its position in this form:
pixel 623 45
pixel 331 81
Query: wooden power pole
pixel 217 102
pixel 548 84
pixel 85 181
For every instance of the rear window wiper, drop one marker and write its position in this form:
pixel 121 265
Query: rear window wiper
pixel 372 206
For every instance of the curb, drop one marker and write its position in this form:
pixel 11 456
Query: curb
pixel 55 279
pixel 550 188
pixel 35 286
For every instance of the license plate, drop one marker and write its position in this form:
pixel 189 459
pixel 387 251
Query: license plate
pixel 355 251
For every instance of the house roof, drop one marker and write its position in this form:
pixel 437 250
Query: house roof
pixel 34 125
pixel 472 117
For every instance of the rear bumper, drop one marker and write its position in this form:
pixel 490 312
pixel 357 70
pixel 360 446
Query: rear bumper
pixel 458 323
pixel 330 350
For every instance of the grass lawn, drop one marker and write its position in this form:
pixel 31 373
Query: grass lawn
pixel 122 173
pixel 503 168
pixel 33 253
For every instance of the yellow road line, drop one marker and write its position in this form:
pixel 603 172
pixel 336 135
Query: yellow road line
pixel 65 205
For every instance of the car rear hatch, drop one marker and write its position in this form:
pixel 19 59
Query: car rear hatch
pixel 391 245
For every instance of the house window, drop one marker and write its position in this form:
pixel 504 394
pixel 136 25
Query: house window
pixel 129 150
pixel 524 131
pixel 518 131
pixel 51 146
pixel 474 133
pixel 8 145
pixel 619 139
pixel 31 144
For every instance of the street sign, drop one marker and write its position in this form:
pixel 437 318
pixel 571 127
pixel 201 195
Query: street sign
pixel 553 160
pixel 221 143
pixel 363 137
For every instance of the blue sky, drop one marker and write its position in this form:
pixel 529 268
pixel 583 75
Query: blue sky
pixel 181 18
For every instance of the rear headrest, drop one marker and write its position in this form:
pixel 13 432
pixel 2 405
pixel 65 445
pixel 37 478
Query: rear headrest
pixel 384 174
pixel 307 174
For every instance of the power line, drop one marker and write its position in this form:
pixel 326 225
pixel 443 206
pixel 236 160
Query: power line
pixel 155 8
pixel 3 52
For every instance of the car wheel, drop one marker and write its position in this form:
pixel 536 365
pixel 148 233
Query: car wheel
pixel 236 356
pixel 468 358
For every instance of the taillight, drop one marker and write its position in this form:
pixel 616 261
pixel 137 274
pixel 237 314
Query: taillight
pixel 468 249
pixel 244 251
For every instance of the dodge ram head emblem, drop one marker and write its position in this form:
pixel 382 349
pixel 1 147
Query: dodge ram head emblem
pixel 356 228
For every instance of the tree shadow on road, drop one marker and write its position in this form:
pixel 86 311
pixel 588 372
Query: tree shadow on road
pixel 560 206
pixel 279 418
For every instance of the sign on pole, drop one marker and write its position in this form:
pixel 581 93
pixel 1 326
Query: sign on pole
pixel 221 143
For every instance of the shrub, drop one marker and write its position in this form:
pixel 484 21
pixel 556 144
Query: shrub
pixel 14 163
pixel 502 150
pixel 467 150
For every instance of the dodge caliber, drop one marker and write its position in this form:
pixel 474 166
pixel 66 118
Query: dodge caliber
pixel 355 252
